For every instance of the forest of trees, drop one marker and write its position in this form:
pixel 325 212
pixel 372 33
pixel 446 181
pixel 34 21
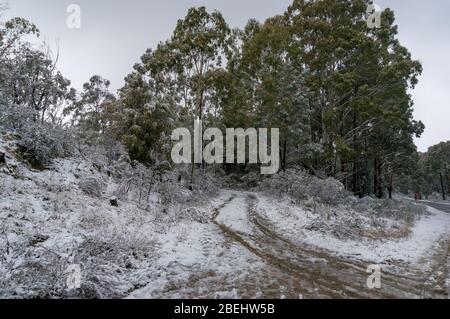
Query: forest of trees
pixel 338 91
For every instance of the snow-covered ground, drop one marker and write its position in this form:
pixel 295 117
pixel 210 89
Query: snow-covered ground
pixel 237 244
pixel 424 237
pixel 48 223
pixel 235 214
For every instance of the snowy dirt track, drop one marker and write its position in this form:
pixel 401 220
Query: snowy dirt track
pixel 236 245
pixel 252 258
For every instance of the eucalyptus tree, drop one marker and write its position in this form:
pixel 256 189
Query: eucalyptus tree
pixel 90 109
pixel 359 78
pixel 269 88
pixel 200 45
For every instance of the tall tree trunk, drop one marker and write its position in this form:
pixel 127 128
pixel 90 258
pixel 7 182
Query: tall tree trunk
pixel 448 180
pixel 355 174
pixel 192 175
pixel 283 165
pixel 375 177
pixel 344 174
pixel 377 182
pixel 200 93
pixel 380 182
pixel 391 185
pixel 355 179
pixel 442 185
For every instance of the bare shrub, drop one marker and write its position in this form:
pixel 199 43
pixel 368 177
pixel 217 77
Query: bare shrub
pixel 92 186
pixel 112 268
pixel 435 196
pixel 39 142
pixel 175 187
pixel 403 210
pixel 28 270
pixel 14 118
pixel 300 186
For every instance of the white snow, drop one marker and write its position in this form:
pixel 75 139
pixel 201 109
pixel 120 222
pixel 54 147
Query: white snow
pixel 155 250
pixel 424 238
pixel 197 250
pixel 133 250
pixel 425 235
pixel 235 215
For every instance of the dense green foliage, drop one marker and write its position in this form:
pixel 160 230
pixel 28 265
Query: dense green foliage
pixel 337 90
pixel 433 165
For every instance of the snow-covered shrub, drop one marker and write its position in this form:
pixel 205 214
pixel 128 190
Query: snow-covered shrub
pixel 175 186
pixel 27 270
pixel 39 142
pixel 206 182
pixel 435 196
pixel 14 118
pixel 116 252
pixel 92 186
pixel 173 192
pixel 193 214
pixel 135 181
pixel 404 210
pixel 105 153
pixel 239 180
pixel 44 143
pixel 301 186
pixel 113 267
pixel 110 267
pixel 343 224
pixel 110 158
pixel 251 180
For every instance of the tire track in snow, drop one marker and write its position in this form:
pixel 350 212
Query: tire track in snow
pixel 316 273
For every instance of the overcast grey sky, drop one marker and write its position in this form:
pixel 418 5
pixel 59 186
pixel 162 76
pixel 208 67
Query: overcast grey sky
pixel 114 34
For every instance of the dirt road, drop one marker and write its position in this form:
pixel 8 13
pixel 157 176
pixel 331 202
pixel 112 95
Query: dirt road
pixel 245 255
pixel 308 272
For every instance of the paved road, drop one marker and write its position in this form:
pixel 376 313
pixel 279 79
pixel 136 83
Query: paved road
pixel 440 206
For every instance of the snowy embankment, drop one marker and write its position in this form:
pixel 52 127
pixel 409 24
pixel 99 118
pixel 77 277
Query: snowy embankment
pixel 423 239
pixel 56 218
pixel 298 224
pixel 140 249
pixel 196 260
